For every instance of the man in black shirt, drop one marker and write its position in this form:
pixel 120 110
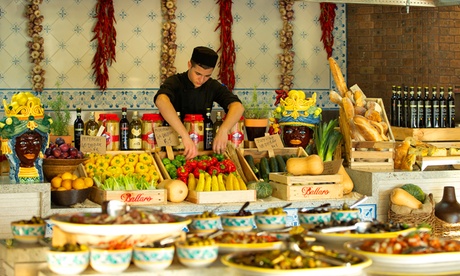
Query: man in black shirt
pixel 193 91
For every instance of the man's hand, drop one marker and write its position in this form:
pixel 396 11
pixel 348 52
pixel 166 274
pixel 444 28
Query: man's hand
pixel 191 149
pixel 219 144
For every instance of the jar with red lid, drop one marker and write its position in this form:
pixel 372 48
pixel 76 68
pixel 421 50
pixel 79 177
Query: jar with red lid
pixel 111 131
pixel 149 122
pixel 236 135
pixel 194 123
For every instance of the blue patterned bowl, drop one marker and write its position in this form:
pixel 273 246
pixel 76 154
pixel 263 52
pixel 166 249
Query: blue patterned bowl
pixel 345 215
pixel 68 263
pixel 204 225
pixel 237 223
pixel 153 259
pixel 28 233
pixel 310 220
pixel 110 261
pixel 196 255
pixel 270 222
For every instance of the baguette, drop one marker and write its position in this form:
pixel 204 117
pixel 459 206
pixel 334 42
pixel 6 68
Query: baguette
pixel 335 97
pixel 369 132
pixel 338 76
pixel 348 107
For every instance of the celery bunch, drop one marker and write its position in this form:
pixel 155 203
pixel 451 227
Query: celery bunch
pixel 125 183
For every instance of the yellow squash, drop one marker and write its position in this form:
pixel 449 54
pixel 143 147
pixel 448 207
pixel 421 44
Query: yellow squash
pixel 310 165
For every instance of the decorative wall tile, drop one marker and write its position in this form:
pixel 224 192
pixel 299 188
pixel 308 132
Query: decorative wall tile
pixel 134 77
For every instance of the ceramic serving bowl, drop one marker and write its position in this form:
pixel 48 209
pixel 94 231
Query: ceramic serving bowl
pixel 68 263
pixel 204 225
pixel 153 258
pixel 270 222
pixel 196 255
pixel 232 222
pixel 310 220
pixel 110 260
pixel 341 216
pixel 28 233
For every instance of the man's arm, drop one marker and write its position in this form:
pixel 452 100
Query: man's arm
pixel 235 111
pixel 168 112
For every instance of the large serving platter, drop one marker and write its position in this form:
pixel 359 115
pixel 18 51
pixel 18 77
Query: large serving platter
pixel 344 237
pixel 234 247
pixel 356 269
pixel 63 222
pixel 409 264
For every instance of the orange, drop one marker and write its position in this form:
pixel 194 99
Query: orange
pixel 88 182
pixel 56 182
pixel 67 184
pixel 78 184
pixel 67 175
pixel 61 189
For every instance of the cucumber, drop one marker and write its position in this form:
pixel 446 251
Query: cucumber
pixel 281 163
pixel 264 168
pixel 286 157
pixel 251 164
pixel 273 164
pixel 258 170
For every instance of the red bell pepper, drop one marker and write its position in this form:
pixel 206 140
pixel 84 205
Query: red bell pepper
pixel 230 166
pixel 202 164
pixel 213 161
pixel 196 172
pixel 213 170
pixel 182 172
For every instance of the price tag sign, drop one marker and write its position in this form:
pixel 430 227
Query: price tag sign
pixel 95 144
pixel 269 142
pixel 166 136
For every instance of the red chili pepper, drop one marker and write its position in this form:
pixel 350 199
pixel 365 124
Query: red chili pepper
pixel 228 56
pixel 326 19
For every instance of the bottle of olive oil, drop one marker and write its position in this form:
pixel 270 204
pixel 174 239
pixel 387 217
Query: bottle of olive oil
pixel 405 122
pixel 450 108
pixel 78 129
pixel 398 115
pixel 135 132
pixel 208 130
pixel 91 126
pixel 427 114
pixel 393 106
pixel 413 115
pixel 124 129
pixel 442 108
pixel 436 115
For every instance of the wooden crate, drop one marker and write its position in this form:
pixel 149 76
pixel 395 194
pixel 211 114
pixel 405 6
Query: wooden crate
pixel 367 154
pixel 306 186
pixel 248 172
pixel 133 197
pixel 221 197
pixel 209 197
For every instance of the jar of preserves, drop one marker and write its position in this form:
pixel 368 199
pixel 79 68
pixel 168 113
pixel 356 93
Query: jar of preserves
pixel 194 123
pixel 236 135
pixel 111 131
pixel 149 122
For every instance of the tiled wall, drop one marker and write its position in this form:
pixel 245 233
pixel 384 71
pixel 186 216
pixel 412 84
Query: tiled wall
pixel 134 78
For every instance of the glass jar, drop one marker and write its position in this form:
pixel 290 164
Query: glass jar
pixel 194 123
pixel 111 131
pixel 236 135
pixel 149 122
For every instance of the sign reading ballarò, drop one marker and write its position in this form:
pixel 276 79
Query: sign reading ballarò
pixel 137 197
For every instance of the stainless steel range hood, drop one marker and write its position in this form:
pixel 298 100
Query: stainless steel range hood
pixel 409 3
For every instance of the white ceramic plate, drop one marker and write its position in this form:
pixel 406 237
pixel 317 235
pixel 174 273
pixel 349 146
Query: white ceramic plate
pixel 344 237
pixel 434 264
pixel 62 221
pixel 356 269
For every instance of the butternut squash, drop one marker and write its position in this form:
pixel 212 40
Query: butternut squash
pixel 346 180
pixel 310 165
pixel 399 196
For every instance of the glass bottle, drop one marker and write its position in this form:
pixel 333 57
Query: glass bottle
pixel 208 128
pixel 448 209
pixel 405 108
pixel 398 116
pixel 179 146
pixel 217 123
pixel 427 114
pixel 419 104
pixel 435 107
pixel 442 108
pixel 135 132
pixel 124 129
pixel 393 106
pixel 450 108
pixel 91 126
pixel 78 129
pixel 412 115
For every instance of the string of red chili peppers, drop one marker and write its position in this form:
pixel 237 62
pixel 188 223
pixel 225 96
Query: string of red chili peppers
pixel 227 45
pixel 106 36
pixel 326 19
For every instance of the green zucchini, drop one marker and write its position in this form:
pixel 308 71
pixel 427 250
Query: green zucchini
pixel 281 163
pixel 264 168
pixel 273 164
pixel 251 164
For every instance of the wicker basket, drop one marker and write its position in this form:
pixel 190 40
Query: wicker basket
pixel 53 167
pixel 414 219
pixel 444 229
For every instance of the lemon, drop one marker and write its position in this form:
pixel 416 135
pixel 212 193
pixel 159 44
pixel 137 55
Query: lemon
pixel 88 182
pixel 79 184
pixel 67 175
pixel 67 184
pixel 56 182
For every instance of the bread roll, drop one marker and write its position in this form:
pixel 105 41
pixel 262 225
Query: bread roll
pixel 359 110
pixel 373 115
pixel 400 153
pixel 380 129
pixel 360 98
pixel 366 129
